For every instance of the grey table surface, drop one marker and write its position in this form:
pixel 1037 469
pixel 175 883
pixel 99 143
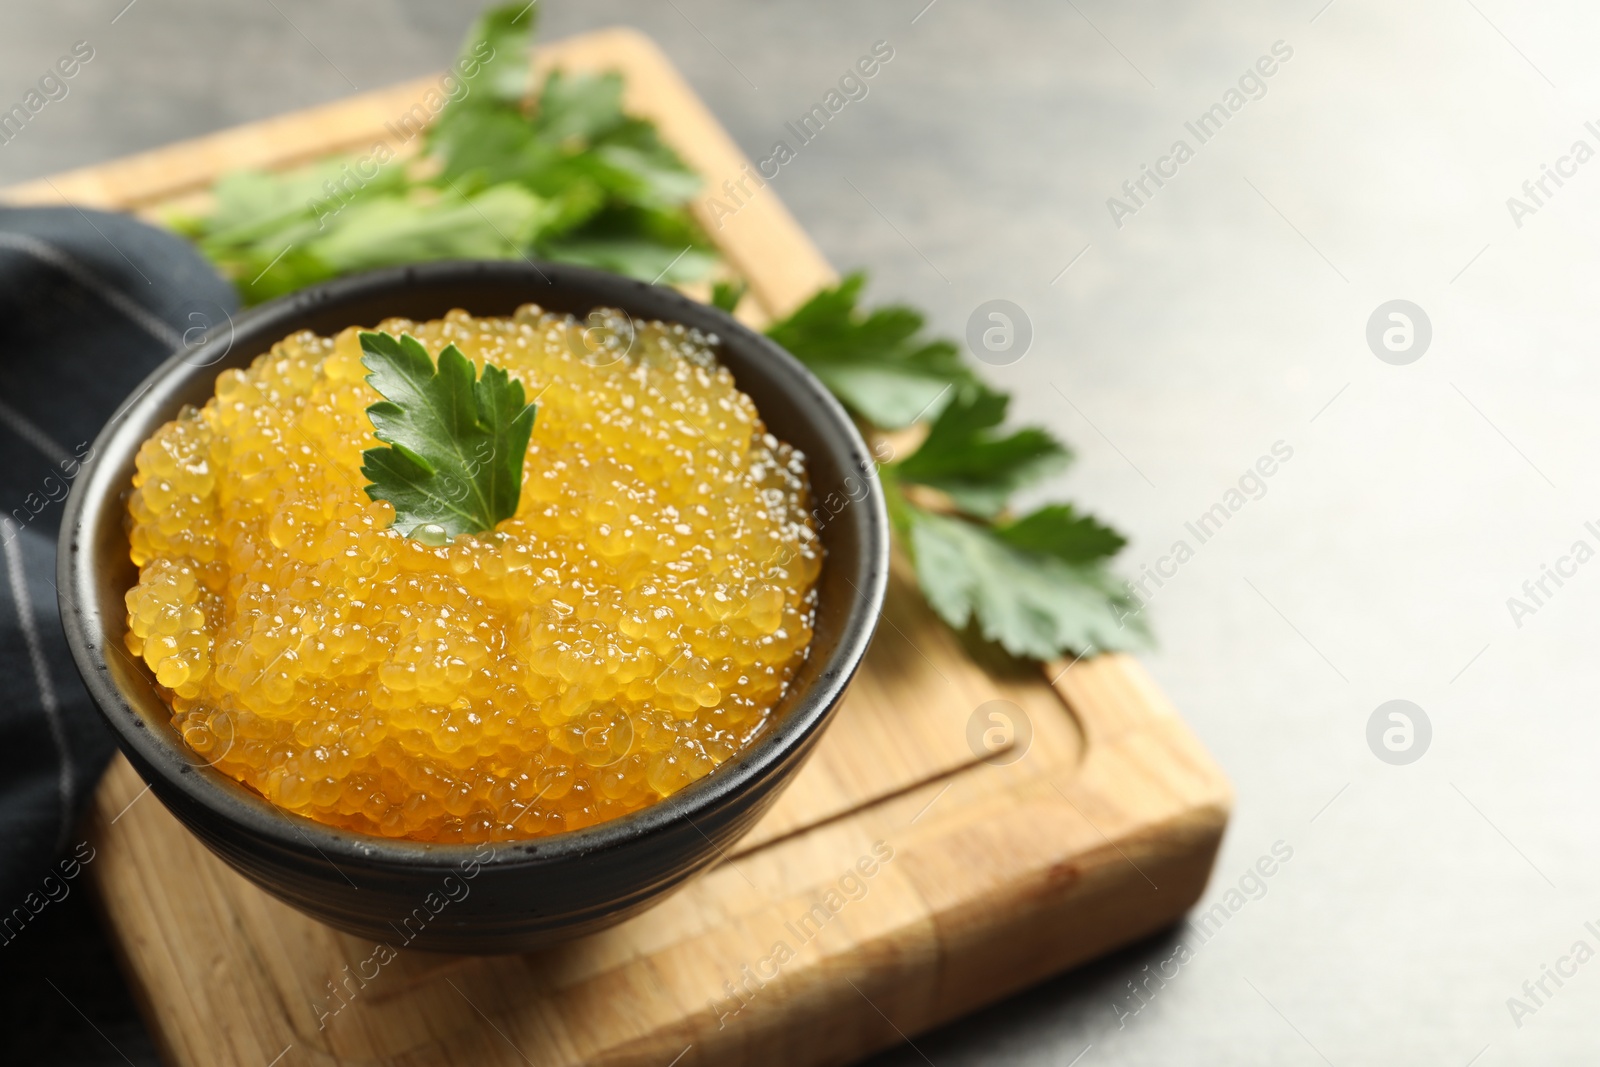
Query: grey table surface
pixel 1176 340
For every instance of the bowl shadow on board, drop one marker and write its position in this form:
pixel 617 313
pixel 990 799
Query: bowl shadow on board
pixel 525 893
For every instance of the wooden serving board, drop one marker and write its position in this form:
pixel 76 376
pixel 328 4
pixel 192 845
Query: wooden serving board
pixel 900 882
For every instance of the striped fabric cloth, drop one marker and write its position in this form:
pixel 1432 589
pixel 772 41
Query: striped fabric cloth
pixel 89 304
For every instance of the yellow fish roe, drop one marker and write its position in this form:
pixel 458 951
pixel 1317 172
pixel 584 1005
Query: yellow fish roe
pixel 625 632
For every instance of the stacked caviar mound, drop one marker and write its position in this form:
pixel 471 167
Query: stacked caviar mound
pixel 627 629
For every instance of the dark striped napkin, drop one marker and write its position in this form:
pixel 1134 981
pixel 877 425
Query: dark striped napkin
pixel 89 304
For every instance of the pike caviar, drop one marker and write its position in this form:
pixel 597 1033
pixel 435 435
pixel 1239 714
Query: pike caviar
pixel 626 631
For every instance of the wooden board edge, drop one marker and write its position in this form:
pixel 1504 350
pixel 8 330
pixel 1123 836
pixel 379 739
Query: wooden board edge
pixel 1115 701
pixel 170 171
pixel 1067 917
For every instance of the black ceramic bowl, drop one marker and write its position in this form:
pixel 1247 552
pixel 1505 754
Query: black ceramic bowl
pixel 459 898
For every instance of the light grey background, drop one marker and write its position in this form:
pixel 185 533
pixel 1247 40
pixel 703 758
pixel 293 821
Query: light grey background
pixel 1228 314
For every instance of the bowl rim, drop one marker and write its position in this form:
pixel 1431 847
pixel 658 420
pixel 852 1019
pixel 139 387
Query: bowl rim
pixel 98 487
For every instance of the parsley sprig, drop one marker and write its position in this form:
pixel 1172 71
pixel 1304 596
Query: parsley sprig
pixel 503 172
pixel 1037 585
pixel 563 173
pixel 456 442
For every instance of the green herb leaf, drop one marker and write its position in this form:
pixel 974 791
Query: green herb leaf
pixel 1057 530
pixel 651 174
pixel 1033 605
pixel 491 124
pixel 725 296
pixel 500 222
pixel 264 272
pixel 582 107
pixel 252 206
pixel 485 146
pixel 653 246
pixel 977 468
pixel 497 223
pixel 496 60
pixel 875 362
pixel 456 442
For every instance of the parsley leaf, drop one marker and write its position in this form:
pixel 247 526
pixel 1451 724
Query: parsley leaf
pixel 253 204
pixel 496 223
pixel 975 467
pixel 875 362
pixel 1037 585
pixel 651 245
pixel 456 442
pixel 496 59
pixel 1033 605
pixel 579 106
pixel 725 296
pixel 1056 530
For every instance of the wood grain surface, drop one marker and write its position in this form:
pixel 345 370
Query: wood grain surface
pixel 901 881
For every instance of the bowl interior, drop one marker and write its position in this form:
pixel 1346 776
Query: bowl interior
pixel 95 571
